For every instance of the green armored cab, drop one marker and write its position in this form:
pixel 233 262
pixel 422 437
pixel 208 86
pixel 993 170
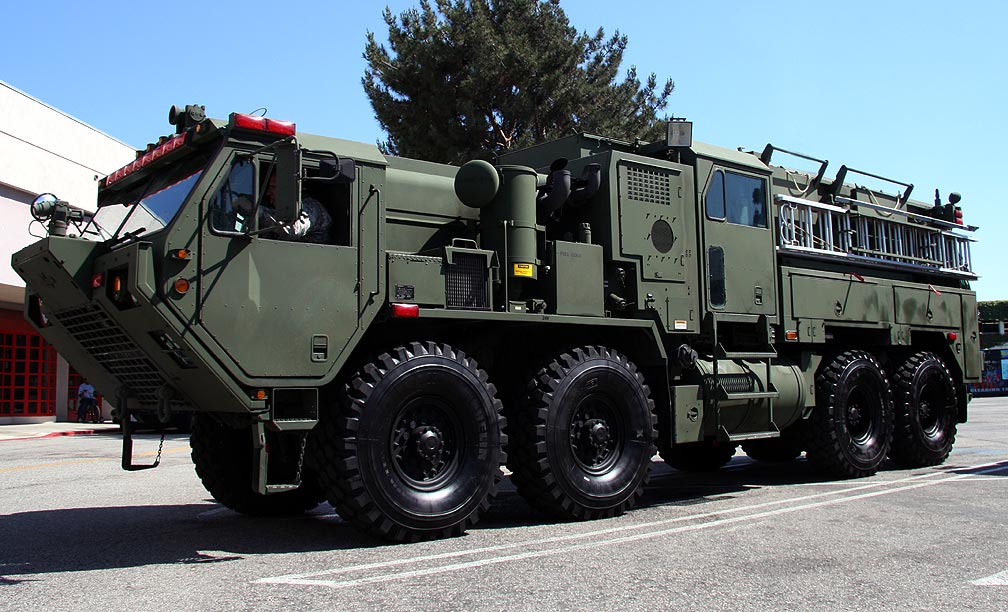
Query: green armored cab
pixel 566 310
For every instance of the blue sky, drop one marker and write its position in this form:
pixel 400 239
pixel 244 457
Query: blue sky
pixel 916 91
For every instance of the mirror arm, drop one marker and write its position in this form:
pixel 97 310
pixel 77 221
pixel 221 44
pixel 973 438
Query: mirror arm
pixel 272 145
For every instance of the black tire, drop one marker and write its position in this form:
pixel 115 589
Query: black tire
pixel 850 431
pixel 707 456
pixel 925 413
pixel 582 442
pixel 223 459
pixel 788 447
pixel 415 450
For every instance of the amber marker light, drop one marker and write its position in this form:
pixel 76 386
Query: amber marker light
pixel 791 335
pixel 181 286
pixel 259 394
pixel 182 254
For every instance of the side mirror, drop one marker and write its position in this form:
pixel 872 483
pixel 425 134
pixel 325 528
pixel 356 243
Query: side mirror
pixel 288 182
pixel 336 170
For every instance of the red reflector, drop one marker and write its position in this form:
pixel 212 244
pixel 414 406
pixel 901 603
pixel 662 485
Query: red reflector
pixel 262 124
pixel 97 280
pixel 952 336
pixel 406 311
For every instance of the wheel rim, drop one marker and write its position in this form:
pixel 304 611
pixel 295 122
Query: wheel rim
pixel 596 434
pixel 424 443
pixel 930 409
pixel 862 415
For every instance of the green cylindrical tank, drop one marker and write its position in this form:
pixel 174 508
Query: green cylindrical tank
pixel 508 225
pixel 740 415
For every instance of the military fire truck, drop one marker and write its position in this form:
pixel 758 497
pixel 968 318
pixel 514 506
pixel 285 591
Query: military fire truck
pixel 566 310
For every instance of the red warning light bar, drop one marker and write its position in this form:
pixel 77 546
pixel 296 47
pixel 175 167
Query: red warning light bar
pixel 262 124
pixel 154 154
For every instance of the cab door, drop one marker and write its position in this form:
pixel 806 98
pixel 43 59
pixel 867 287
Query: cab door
pixel 277 308
pixel 739 258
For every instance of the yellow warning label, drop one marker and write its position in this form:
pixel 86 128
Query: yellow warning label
pixel 522 269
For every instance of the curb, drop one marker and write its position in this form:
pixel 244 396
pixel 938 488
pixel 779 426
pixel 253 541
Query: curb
pixel 60 434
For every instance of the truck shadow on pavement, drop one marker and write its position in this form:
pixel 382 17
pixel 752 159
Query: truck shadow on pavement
pixel 671 487
pixel 83 539
pixel 667 487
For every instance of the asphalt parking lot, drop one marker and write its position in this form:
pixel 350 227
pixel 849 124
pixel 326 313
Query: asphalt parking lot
pixel 77 533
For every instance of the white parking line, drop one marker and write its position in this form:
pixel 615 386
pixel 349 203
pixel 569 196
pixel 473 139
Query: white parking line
pixel 998 579
pixel 651 529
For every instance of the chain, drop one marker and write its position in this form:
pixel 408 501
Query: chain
pixel 304 441
pixel 157 460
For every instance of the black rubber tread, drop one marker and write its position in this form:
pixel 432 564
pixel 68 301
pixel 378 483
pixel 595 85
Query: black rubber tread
pixel 353 449
pixel 546 471
pixel 914 444
pixel 788 447
pixel 223 459
pixel 707 456
pixel 832 449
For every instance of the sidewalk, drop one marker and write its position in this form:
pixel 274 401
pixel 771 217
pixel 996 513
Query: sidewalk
pixel 53 430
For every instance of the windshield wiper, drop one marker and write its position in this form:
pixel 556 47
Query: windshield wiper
pixel 128 236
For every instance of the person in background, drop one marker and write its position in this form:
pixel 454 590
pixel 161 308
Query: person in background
pixel 85 399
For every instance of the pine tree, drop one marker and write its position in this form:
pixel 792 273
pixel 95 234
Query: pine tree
pixel 475 78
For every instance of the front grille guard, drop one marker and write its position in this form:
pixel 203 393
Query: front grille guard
pixel 108 344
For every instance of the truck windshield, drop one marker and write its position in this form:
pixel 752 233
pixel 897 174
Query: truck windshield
pixel 150 205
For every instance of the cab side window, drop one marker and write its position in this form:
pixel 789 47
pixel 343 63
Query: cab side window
pixel 225 215
pixel 737 198
pixel 336 198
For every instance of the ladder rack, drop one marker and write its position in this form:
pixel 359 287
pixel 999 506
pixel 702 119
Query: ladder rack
pixel 873 235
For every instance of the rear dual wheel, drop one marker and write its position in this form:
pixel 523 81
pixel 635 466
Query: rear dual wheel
pixel 788 447
pixel 925 412
pixel 852 425
pixel 414 451
pixel 582 441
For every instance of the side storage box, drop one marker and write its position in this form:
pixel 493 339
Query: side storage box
pixel 575 284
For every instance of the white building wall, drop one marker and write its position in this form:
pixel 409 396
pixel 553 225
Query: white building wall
pixel 45 150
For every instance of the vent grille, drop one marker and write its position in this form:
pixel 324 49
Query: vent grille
pixel 467 282
pixel 649 185
pixel 109 345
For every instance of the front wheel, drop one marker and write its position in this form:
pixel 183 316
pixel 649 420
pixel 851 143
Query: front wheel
pixel 223 459
pixel 583 440
pixel 925 415
pixel 414 452
pixel 852 424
